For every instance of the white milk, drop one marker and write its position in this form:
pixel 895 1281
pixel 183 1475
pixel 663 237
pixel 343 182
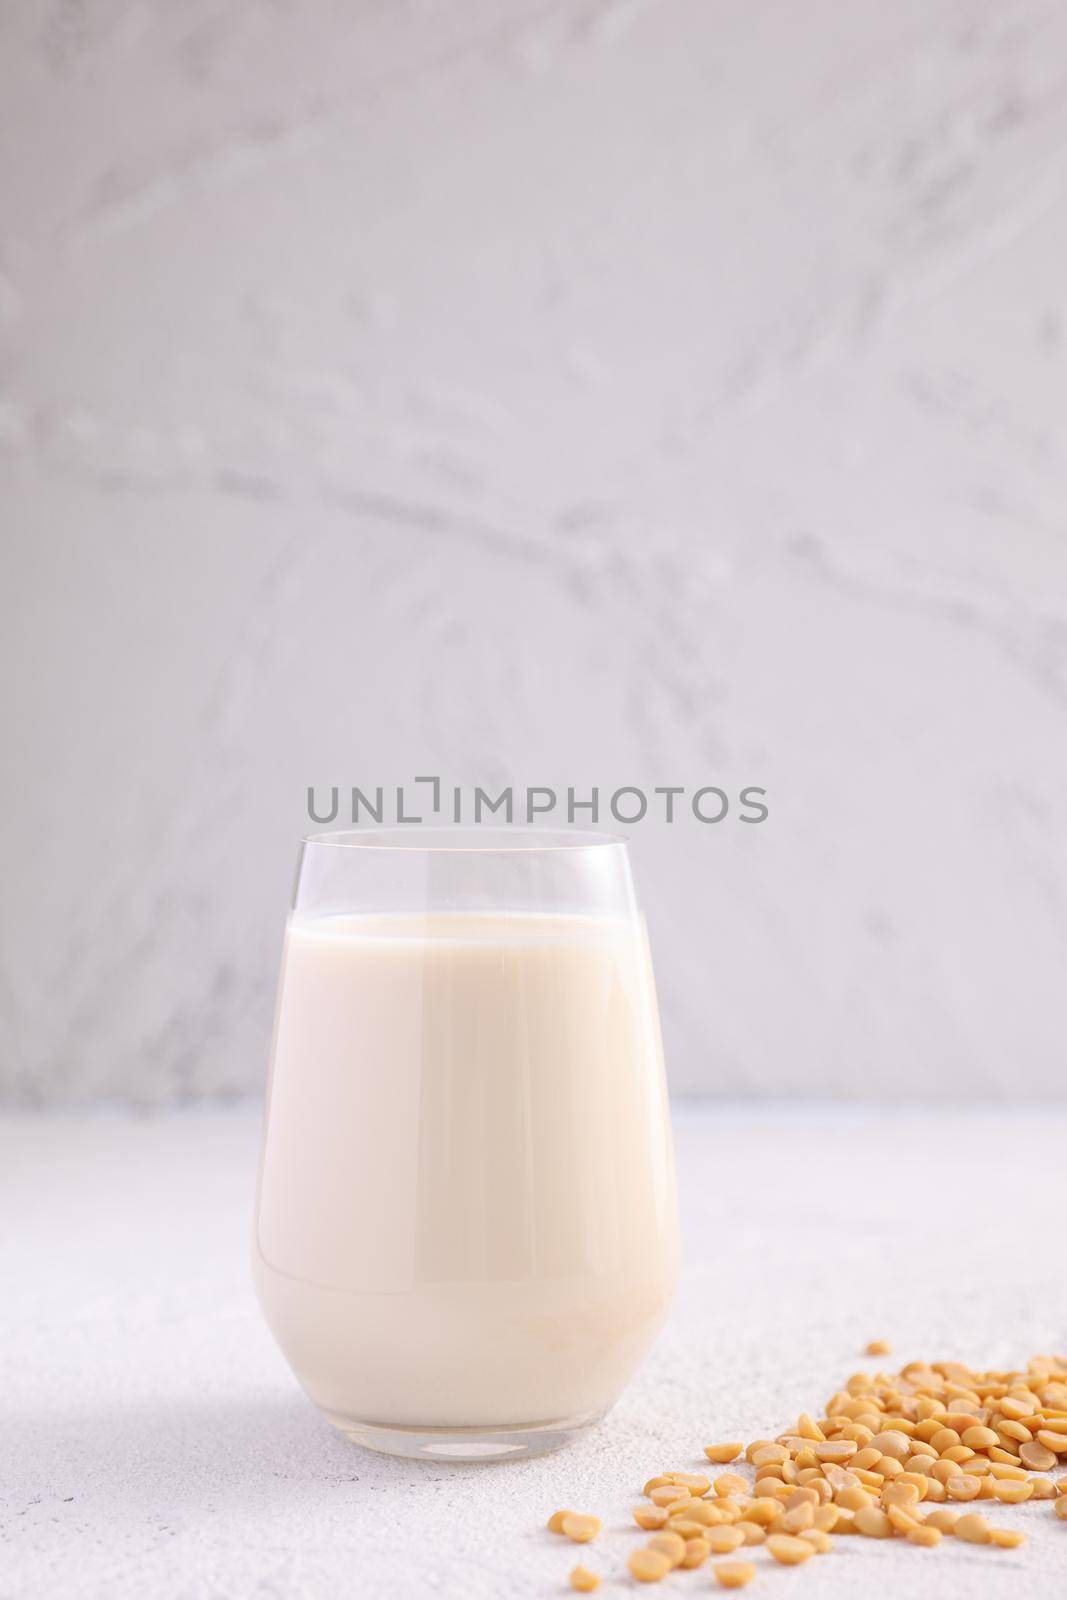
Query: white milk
pixel 466 1212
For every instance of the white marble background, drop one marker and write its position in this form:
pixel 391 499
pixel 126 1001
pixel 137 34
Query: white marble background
pixel 575 391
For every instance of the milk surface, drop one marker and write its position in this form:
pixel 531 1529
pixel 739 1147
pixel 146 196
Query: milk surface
pixel 466 1212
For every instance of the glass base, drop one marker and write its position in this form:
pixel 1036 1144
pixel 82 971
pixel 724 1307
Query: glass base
pixel 464 1444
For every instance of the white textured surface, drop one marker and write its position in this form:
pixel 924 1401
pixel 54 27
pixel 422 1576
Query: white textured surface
pixel 155 1445
pixel 549 392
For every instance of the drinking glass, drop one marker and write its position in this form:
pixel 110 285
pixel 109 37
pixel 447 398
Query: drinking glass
pixel 466 1232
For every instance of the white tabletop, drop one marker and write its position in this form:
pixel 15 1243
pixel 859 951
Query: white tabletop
pixel 154 1444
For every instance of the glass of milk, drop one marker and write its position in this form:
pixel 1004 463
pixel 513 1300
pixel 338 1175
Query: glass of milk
pixel 466 1233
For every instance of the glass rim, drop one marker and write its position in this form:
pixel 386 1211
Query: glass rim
pixel 466 838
